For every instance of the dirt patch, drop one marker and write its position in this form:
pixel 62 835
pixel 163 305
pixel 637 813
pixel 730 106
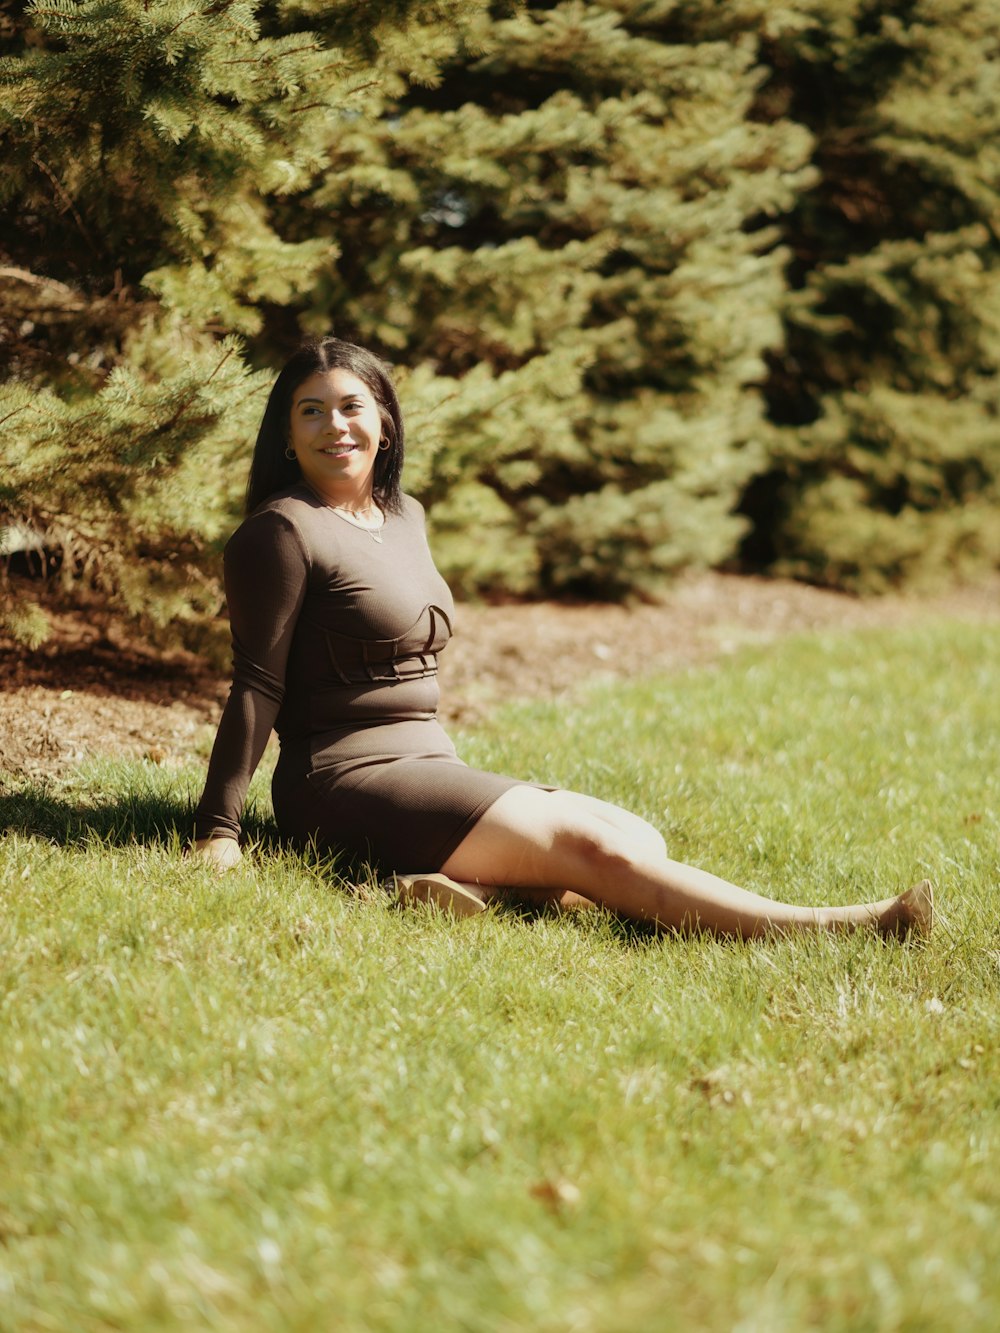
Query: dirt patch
pixel 86 693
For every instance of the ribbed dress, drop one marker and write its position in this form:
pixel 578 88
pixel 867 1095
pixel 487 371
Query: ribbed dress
pixel 335 644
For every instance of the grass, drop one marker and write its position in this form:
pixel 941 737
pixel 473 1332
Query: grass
pixel 267 1103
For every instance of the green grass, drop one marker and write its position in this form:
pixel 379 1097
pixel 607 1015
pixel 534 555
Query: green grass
pixel 267 1103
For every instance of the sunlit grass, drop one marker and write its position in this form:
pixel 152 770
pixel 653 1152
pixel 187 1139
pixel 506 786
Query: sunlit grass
pixel 270 1102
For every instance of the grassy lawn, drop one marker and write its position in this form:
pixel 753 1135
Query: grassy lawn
pixel 267 1103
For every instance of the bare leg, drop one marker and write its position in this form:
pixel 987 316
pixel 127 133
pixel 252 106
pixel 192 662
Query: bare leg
pixel 552 842
pixel 468 899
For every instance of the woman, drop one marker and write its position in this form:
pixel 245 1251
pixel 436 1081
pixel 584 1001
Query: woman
pixel 338 615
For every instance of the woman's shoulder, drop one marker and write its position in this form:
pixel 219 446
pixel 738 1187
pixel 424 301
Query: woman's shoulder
pixel 293 501
pixel 412 508
pixel 282 517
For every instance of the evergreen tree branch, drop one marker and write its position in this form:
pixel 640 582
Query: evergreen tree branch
pixel 63 196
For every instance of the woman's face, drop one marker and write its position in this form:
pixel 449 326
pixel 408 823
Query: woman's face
pixel 335 430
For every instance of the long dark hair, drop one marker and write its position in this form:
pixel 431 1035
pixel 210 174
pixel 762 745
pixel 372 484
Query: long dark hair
pixel 272 471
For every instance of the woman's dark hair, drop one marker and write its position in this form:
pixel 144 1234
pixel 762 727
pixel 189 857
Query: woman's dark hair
pixel 272 471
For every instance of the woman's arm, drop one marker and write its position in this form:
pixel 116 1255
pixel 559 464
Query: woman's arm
pixel 267 568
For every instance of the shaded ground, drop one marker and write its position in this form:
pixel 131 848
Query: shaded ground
pixel 85 694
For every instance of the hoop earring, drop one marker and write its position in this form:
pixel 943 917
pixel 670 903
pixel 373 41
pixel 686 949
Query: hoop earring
pixel 290 453
pixel 383 445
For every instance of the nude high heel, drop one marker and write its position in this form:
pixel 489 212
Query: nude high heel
pixel 441 892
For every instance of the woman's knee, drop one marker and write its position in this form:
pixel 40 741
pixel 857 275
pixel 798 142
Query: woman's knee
pixel 650 843
pixel 645 840
pixel 598 848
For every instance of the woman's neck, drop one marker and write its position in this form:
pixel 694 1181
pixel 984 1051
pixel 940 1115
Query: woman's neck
pixel 354 501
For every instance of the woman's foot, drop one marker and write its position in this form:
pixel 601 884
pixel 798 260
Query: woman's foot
pixel 444 893
pixel 912 913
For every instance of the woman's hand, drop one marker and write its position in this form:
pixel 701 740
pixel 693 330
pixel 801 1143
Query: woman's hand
pixel 223 853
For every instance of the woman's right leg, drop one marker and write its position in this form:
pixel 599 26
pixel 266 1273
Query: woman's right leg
pixel 647 842
pixel 550 843
pixel 466 899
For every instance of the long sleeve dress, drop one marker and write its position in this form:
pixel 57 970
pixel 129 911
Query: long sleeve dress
pixel 335 644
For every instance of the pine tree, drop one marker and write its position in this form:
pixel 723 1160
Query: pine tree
pixel 148 147
pixel 571 229
pixel 886 463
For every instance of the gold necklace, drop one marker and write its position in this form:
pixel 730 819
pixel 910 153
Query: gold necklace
pixel 352 516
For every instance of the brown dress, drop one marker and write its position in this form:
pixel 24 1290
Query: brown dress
pixel 335 643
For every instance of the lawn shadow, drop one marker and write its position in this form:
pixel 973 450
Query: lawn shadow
pixel 123 820
pixel 626 933
pixel 151 819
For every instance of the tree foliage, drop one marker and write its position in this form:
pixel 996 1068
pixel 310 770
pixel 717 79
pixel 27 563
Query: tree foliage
pixel 886 463
pixel 653 273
